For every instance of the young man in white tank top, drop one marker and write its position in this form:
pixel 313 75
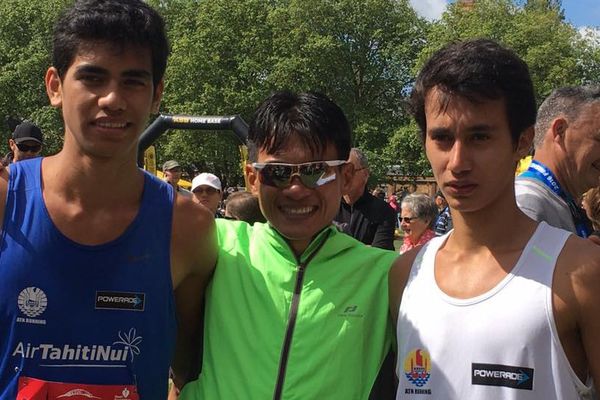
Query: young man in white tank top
pixel 501 307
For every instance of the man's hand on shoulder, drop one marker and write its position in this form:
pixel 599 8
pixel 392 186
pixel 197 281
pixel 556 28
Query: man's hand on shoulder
pixel 594 239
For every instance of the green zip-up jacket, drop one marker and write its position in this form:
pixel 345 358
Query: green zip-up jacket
pixel 278 327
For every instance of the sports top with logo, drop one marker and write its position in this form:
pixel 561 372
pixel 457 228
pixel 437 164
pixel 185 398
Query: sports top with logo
pixel 341 332
pixel 502 344
pixel 95 321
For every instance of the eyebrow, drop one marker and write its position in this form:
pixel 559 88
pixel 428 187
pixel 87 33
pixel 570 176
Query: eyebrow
pixel 470 129
pixel 479 128
pixel 131 73
pixel 439 131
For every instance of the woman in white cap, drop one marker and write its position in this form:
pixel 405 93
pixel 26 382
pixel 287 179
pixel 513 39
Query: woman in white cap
pixel 207 191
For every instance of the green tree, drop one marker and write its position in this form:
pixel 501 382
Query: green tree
pixel 25 34
pixel 588 48
pixel 405 154
pixel 536 31
pixel 229 55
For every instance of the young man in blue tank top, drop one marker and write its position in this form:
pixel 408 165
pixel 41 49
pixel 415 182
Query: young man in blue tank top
pixel 501 307
pixel 91 247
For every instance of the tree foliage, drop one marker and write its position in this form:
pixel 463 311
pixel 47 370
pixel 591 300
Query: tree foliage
pixel 536 31
pixel 25 34
pixel 228 55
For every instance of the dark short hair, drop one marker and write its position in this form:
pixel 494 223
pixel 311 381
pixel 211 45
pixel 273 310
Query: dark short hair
pixel 566 101
pixel 244 206
pixel 115 22
pixel 312 117
pixel 478 70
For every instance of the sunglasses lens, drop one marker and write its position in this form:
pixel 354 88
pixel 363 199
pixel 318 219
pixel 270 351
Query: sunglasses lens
pixel 25 147
pixel 311 174
pixel 275 175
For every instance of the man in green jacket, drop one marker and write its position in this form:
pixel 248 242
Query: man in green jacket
pixel 296 309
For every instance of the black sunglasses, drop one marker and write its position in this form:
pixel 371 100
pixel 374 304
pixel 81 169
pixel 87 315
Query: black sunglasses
pixel 34 148
pixel 311 174
pixel 407 220
pixel 207 190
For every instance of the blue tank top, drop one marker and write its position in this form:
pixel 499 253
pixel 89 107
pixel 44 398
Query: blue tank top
pixel 85 315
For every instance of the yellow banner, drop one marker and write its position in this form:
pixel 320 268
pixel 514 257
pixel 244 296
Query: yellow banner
pixel 150 160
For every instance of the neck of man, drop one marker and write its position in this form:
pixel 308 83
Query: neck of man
pixel 560 171
pixel 350 199
pixel 92 181
pixel 499 227
pixel 174 184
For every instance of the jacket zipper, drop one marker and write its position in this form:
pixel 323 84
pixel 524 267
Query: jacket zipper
pixel 289 331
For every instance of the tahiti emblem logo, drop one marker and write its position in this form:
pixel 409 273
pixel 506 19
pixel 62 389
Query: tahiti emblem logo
pixel 32 301
pixel 417 367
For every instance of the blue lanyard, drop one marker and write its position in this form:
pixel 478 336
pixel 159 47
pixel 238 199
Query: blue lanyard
pixel 539 171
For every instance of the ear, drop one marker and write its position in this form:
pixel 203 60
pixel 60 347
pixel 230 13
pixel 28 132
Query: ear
pixel 158 92
pixel 525 142
pixel 347 174
pixel 558 128
pixel 251 179
pixel 53 87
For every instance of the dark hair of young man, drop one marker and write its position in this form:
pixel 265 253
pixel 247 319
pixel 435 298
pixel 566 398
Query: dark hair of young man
pixel 311 116
pixel 478 70
pixel 117 22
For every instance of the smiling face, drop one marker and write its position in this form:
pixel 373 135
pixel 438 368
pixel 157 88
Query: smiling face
pixel 412 226
pixel 106 96
pixel 579 154
pixel 296 211
pixel 471 151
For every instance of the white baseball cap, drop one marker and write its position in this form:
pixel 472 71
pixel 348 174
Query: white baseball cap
pixel 206 179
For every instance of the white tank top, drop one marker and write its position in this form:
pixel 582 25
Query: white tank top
pixel 502 344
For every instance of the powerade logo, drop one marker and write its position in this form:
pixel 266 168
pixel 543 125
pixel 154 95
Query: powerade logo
pixel 127 301
pixel 417 367
pixel 502 375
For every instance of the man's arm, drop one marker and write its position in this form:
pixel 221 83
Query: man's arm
pixel 586 282
pixel 193 258
pixel 384 235
pixel 576 301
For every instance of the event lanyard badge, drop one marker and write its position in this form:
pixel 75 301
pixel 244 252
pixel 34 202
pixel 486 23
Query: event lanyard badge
pixel 540 172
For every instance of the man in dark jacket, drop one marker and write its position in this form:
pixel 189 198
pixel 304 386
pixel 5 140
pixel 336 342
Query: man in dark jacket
pixel 362 215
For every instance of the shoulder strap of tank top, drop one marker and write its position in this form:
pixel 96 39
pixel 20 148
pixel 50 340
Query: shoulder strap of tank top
pixel 426 256
pixel 24 174
pixel 548 242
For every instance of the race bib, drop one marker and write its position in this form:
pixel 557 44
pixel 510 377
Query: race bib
pixel 37 389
